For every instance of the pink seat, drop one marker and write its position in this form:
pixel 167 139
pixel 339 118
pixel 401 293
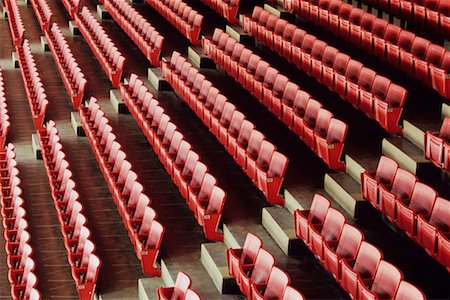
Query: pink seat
pixel 314 217
pixel 292 294
pixel 258 274
pixel 276 286
pixel 408 291
pixel 245 256
pixel 179 291
pixel 385 284
pixel 362 270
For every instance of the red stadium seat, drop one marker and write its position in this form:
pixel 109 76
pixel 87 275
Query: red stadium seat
pixel 258 274
pixel 179 291
pixel 435 149
pixel 385 283
pixel 314 217
pixel 245 256
pixel 276 286
pixel 408 291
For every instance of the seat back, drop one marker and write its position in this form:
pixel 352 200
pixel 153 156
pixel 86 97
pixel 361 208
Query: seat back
pixel 244 133
pixel 182 284
pixel 340 62
pixel 386 170
pixel 298 37
pixel 301 101
pixel 349 242
pixel 277 284
pixel 289 94
pixel 191 161
pixel 277 166
pixel 422 199
pixel 337 131
pixel 386 281
pixel 419 47
pixel 319 209
pixel 329 55
pixel 254 143
pixel 292 294
pixel 197 176
pixel 439 215
pixel 333 225
pixel 155 236
pixel 216 201
pixel 279 85
pixel 407 291
pixel 312 111
pixel 323 122
pixel 251 248
pixel 261 69
pixel 366 78
pixel 182 153
pixel 265 154
pixel 236 123
pixel 403 184
pixel 263 266
pixel 308 43
pixel 227 114
pixel 367 260
pixel 204 195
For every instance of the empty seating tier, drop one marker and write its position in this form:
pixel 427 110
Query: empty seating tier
pixel 227 8
pixel 366 90
pixel 84 264
pixel 15 22
pixel 416 56
pixel 181 290
pixel 252 152
pixel 138 217
pixel 43 13
pixel 306 117
pixel 357 265
pixel 437 145
pixel 69 70
pixel 141 32
pixel 4 116
pixel 255 272
pixel 72 6
pixel 411 205
pixel 431 14
pixel 18 250
pixel 187 20
pixel 198 187
pixel 37 99
pixel 104 49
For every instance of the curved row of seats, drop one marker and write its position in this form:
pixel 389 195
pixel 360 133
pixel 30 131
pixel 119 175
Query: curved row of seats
pixel 84 264
pixel 411 205
pixel 306 117
pixel 140 31
pixel 37 99
pixel 72 6
pixel 414 55
pixel 138 217
pixel 43 13
pixel 432 14
pixel 15 22
pixel 69 70
pixel 197 186
pixel 226 8
pixel 252 152
pixel 355 264
pixel 181 290
pixel 437 145
pixel 187 20
pixel 18 250
pixel 254 270
pixel 375 95
pixel 4 116
pixel 103 47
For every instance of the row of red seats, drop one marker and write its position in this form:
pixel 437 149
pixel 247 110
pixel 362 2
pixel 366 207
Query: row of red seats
pixel 103 47
pixel 84 264
pixel 355 264
pixel 411 205
pixel 15 22
pixel 72 6
pixel 366 90
pixel 181 290
pixel 252 152
pixel 4 116
pixel 437 145
pixel 254 270
pixel 18 250
pixel 187 20
pixel 227 8
pixel 138 217
pixel 37 99
pixel 433 14
pixel 141 32
pixel 190 175
pixel 315 126
pixel 414 55
pixel 69 70
pixel 43 13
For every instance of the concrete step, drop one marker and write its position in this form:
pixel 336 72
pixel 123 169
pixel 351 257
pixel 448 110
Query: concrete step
pixel 147 287
pixel 354 168
pixel 291 203
pixel 409 157
pixel 167 277
pixel 237 33
pixel 117 102
pixel 279 11
pixel 199 59
pixel 154 76
pixel 214 259
pixel 413 133
pixel 103 14
pixel 279 223
pixel 346 192
pixel 445 110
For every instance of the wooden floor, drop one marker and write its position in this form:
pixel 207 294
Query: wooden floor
pixel 242 213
